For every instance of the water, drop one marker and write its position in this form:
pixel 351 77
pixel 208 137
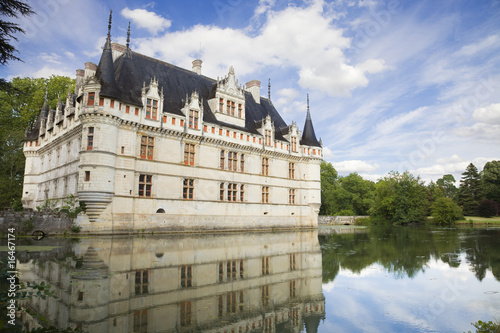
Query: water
pixel 402 279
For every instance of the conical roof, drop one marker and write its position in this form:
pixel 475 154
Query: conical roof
pixel 308 135
pixel 105 70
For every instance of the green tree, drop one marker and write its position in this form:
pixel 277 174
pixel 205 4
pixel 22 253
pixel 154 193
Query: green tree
pixel 360 193
pixel 469 192
pixel 491 181
pixel 328 176
pixel 446 211
pixel 20 104
pixel 400 198
pixel 447 183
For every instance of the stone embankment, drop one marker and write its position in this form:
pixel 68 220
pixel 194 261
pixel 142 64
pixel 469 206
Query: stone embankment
pixel 338 220
pixel 29 221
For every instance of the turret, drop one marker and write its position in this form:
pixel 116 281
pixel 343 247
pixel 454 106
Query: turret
pixel 308 135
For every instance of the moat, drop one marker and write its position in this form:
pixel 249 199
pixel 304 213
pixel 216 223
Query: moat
pixel 374 279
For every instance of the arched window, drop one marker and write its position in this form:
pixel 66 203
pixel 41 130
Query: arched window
pixel 160 211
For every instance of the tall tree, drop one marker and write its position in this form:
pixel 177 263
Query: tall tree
pixel 469 191
pixel 447 183
pixel 328 176
pixel 20 105
pixel 491 181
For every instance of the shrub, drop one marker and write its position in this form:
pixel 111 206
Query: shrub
pixel 446 211
pixel 487 208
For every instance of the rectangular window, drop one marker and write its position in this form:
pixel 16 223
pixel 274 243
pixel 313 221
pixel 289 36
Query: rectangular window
pixel 173 121
pixel 239 110
pixel 151 108
pixel 242 162
pixel 291 196
pixel 232 161
pixel 120 106
pixel 87 176
pixel 127 109
pixel 222 154
pixel 189 154
pixel 188 189
pixel 136 111
pixel 268 138
pixel 80 295
pixel 141 321
pixel 185 313
pixel 91 98
pixel 242 193
pixel 291 170
pixel 292 288
pixel 101 101
pixel 141 282
pixel 145 184
pixel 265 295
pixel 265 166
pixel 193 119
pixel 221 196
pixel 147 146
pixel 90 138
pixel 112 104
pixel 265 194
pixel 220 131
pixel 182 122
pixel 265 266
pixel 221 105
pixel 292 261
pixel 205 128
pixel 232 191
pixel 228 109
pixel 294 144
pixel 232 108
pixel 231 270
pixel 186 276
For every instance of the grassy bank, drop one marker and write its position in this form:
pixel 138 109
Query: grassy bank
pixel 480 220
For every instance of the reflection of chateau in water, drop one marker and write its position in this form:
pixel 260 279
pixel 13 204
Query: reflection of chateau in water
pixel 259 282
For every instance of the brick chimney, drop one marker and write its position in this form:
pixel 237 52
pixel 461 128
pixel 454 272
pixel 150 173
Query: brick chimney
pixel 254 88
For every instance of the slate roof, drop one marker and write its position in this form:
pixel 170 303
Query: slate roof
pixel 308 135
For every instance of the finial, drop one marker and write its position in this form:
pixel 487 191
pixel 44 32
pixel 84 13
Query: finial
pixel 128 34
pixel 269 89
pixel 109 23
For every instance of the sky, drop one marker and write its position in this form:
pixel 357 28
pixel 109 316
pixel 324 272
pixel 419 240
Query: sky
pixel 393 85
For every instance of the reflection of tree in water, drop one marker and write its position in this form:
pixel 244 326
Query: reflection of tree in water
pixel 405 251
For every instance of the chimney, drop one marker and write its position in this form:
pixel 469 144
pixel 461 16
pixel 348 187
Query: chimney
pixel 254 88
pixel 197 66
pixel 80 74
pixel 90 69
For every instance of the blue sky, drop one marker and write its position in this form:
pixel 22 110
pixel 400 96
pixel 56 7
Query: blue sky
pixel 393 85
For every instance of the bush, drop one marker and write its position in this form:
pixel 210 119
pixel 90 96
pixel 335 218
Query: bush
pixel 487 208
pixel 446 211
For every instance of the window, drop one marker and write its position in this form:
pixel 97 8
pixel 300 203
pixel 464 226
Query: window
pixel 188 189
pixel 291 196
pixel 232 161
pixel 189 154
pixel 91 98
pixel 221 197
pixel 80 295
pixel 242 162
pixel 265 266
pixel 127 109
pixel 151 108
pixel 222 153
pixel 87 176
pixel 141 321
pixel 185 313
pixel 231 270
pixel 268 138
pixel 147 146
pixel 292 262
pixel 239 110
pixel 141 282
pixel 145 184
pixel 231 192
pixel 90 138
pixel 294 144
pixel 221 272
pixel 242 193
pixel 291 170
pixel 221 105
pixel 101 101
pixel 186 276
pixel 265 166
pixel 292 288
pixel 265 194
pixel 232 108
pixel 228 109
pixel 136 111
pixel 112 104
pixel 193 118
pixel 265 295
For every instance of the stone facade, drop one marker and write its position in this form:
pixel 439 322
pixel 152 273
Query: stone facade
pixel 147 145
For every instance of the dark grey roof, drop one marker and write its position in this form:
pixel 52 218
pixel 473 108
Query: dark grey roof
pixel 132 71
pixel 308 135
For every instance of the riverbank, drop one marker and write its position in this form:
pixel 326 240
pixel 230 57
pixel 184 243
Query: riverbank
pixel 480 221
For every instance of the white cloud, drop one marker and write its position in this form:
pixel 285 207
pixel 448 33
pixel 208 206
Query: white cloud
pixel 472 49
pixel 47 71
pixel 489 114
pixel 327 153
pixel 151 21
pixel 50 57
pixel 391 125
pixel 354 166
pixel 480 131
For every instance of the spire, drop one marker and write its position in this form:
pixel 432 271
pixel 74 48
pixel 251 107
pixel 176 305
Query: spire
pixel 269 89
pixel 308 135
pixel 105 70
pixel 127 51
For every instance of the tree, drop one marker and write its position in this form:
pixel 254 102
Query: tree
pixel 11 9
pixel 487 208
pixel 469 192
pixel 328 176
pixel 400 199
pixel 445 211
pixel 447 183
pixel 20 105
pixel 491 181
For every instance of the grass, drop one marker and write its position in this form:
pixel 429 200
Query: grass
pixel 481 220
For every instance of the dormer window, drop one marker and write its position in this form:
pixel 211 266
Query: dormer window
pixel 151 108
pixel 294 144
pixel 268 138
pixel 193 118
pixel 91 98
pixel 239 110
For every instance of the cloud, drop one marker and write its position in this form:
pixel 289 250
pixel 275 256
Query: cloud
pixel 47 71
pixel 474 48
pixel 315 54
pixel 391 125
pixel 480 131
pixel 489 114
pixel 354 166
pixel 151 21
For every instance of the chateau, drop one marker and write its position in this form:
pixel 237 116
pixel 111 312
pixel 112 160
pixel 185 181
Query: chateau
pixel 151 146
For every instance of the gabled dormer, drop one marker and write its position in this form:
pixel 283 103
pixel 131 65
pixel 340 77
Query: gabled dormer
pixel 292 134
pixel 152 100
pixel 193 110
pixel 229 103
pixel 266 128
